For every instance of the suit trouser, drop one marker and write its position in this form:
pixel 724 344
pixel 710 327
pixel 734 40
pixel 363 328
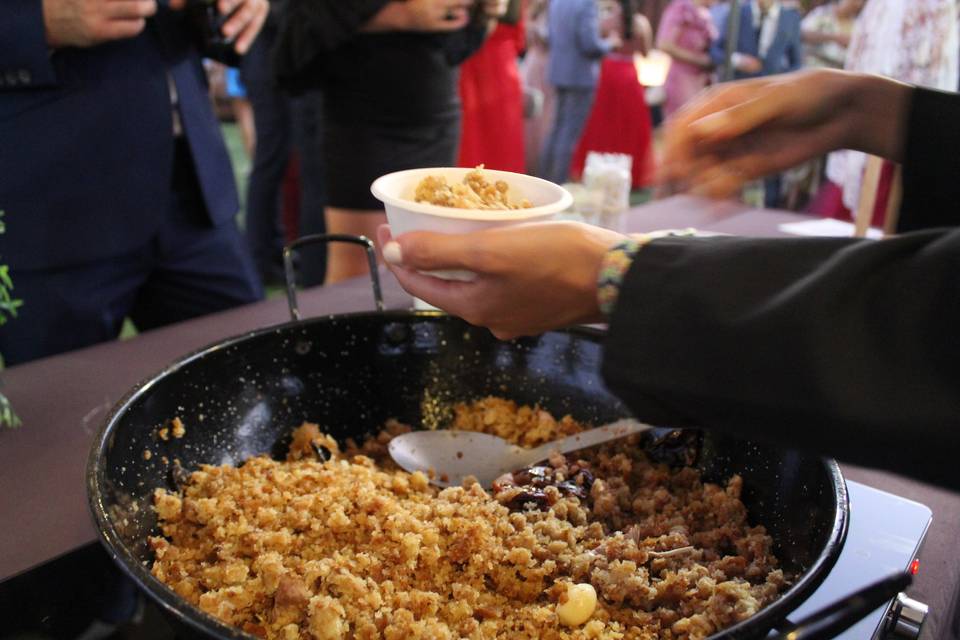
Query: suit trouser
pixel 308 141
pixel 572 110
pixel 271 156
pixel 282 124
pixel 190 268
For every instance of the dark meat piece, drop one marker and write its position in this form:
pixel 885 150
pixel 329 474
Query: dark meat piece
pixel 520 498
pixel 527 486
pixel 673 447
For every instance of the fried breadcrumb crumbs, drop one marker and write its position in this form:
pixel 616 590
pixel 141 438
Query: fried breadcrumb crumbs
pixel 475 192
pixel 355 548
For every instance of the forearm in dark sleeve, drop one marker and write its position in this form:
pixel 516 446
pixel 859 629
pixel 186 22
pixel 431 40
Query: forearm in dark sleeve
pixel 841 346
pixel 333 22
pixel 24 54
pixel 931 172
pixel 311 28
pixel 461 45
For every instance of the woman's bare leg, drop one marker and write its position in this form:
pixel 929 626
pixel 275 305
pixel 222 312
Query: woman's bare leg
pixel 346 260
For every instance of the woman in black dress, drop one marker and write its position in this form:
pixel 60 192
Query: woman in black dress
pixel 388 69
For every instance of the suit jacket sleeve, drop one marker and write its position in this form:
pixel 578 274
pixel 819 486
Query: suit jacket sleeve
pixel 589 41
pixel 842 346
pixel 718 48
pixel 795 49
pixel 24 55
pixel 931 188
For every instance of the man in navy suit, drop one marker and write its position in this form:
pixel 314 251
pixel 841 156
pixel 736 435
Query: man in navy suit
pixel 576 49
pixel 115 181
pixel 768 42
pixel 119 201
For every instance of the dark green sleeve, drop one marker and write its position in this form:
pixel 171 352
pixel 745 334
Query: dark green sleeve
pixel 847 347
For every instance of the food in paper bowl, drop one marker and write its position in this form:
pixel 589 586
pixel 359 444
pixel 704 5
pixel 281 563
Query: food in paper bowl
pixel 473 199
pixel 475 191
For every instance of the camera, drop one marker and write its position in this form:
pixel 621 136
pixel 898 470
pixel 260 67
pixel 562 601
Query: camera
pixel 207 22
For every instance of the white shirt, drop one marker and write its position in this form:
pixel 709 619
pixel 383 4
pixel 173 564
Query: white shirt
pixel 768 30
pixel 175 106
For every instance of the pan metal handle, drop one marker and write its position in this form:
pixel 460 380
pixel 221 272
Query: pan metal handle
pixel 289 272
pixel 843 614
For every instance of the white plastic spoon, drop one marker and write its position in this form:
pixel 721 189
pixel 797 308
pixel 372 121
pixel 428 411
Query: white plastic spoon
pixel 453 455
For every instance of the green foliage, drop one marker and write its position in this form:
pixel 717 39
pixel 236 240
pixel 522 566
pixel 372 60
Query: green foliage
pixel 8 304
pixel 8 310
pixel 8 418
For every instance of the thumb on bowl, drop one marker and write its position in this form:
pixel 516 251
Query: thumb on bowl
pixel 393 253
pixel 425 250
pixel 389 248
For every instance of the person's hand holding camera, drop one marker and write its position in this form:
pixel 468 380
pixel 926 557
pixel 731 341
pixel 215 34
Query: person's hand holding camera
pixel 243 23
pixel 246 17
pixel 85 23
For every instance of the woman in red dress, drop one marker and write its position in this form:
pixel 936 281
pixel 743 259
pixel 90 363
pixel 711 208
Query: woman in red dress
pixel 492 97
pixel 620 120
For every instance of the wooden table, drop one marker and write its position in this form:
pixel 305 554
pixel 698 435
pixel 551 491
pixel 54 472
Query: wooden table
pixel 63 399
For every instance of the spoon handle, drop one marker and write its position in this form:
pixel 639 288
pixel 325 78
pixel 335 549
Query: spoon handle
pixel 588 438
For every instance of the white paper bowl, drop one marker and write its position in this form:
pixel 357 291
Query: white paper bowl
pixel 396 191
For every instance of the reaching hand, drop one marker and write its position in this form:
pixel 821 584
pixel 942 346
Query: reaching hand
pixel 85 23
pixel 530 278
pixel 739 131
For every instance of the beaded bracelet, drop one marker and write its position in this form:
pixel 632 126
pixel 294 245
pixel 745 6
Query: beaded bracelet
pixel 617 261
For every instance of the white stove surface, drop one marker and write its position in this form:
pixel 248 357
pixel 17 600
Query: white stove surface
pixel 884 536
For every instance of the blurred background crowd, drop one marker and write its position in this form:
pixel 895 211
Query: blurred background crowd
pixel 548 87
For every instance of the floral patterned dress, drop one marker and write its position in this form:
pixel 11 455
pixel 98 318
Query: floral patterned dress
pixel 916 42
pixel 824 20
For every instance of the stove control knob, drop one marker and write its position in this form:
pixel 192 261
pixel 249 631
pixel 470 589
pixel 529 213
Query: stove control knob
pixel 906 618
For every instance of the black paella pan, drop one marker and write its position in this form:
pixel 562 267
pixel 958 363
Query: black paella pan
pixel 350 373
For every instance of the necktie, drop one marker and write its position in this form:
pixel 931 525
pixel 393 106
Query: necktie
pixel 763 19
pixel 198 121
